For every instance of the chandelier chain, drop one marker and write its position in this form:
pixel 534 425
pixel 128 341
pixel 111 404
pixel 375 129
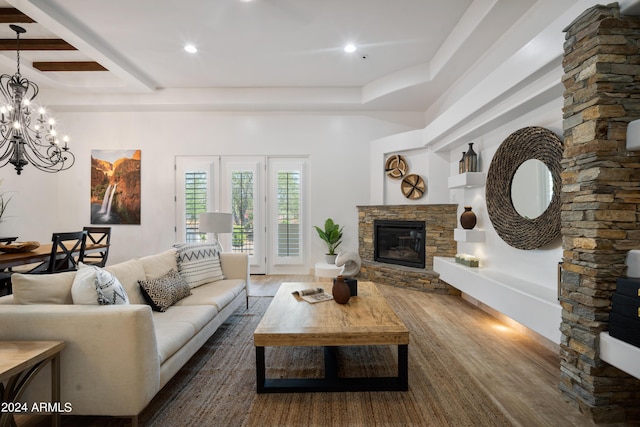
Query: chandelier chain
pixel 17 53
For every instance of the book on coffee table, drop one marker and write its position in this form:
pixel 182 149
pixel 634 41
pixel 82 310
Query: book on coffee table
pixel 313 295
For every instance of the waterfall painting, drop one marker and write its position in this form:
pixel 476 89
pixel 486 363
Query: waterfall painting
pixel 115 187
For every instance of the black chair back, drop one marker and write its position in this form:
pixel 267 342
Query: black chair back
pixel 97 236
pixel 66 251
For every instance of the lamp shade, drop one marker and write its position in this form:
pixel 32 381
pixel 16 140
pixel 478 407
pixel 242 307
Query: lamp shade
pixel 215 222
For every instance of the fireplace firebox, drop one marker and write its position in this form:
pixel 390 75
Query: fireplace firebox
pixel 399 242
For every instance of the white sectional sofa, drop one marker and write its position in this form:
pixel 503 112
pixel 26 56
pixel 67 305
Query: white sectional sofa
pixel 117 357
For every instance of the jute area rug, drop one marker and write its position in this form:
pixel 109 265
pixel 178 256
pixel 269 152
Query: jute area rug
pixel 217 386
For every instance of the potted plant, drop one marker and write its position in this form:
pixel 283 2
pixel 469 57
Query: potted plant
pixel 4 202
pixel 331 234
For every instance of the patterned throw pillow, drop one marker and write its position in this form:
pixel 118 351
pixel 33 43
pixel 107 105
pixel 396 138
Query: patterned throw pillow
pixel 199 263
pixel 109 289
pixel 93 285
pixel 164 291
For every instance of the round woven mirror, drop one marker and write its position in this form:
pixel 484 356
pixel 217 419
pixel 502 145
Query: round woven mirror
pixel 522 145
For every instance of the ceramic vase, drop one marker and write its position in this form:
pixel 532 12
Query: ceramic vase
pixel 468 218
pixel 471 160
pixel 461 167
pixel 341 292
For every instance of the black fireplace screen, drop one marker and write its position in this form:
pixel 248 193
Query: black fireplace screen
pixel 399 242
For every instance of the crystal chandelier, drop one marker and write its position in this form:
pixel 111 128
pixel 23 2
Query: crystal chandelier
pixel 27 133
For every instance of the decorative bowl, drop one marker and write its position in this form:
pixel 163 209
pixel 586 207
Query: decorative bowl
pixel 16 247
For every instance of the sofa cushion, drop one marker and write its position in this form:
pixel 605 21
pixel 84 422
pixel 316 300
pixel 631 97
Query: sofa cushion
pixel 199 263
pixel 176 326
pixel 128 273
pixel 218 293
pixel 93 285
pixel 42 288
pixel 158 264
pixel 162 292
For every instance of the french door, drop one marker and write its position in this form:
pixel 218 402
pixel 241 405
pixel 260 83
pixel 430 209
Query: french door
pixel 242 192
pixel 267 200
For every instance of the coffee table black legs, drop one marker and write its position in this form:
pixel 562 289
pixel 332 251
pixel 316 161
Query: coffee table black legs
pixel 331 382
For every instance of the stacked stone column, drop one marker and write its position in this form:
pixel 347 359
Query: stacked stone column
pixel 600 203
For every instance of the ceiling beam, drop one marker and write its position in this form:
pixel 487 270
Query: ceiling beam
pixel 68 66
pixel 36 44
pixel 10 15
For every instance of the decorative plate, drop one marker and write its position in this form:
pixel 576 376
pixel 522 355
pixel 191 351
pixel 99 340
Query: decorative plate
pixel 396 167
pixel 19 247
pixel 413 186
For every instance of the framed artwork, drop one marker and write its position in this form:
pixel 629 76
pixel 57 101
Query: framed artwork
pixel 115 187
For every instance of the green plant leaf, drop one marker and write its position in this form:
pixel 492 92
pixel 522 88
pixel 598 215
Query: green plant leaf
pixel 331 235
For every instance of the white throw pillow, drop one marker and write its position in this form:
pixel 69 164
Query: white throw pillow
pixel 95 286
pixel 128 273
pixel 199 263
pixel 158 265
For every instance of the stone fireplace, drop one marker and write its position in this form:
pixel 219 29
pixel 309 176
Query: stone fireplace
pixel 438 222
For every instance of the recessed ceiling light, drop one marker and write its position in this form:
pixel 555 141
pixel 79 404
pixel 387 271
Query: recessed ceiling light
pixel 350 48
pixel 190 48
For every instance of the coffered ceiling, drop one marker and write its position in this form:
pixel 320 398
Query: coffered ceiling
pixel 262 54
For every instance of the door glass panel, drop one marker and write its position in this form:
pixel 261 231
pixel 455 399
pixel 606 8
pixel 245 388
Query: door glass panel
pixel 242 189
pixel 195 193
pixel 288 216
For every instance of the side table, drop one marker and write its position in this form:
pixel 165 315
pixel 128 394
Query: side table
pixel 324 269
pixel 20 361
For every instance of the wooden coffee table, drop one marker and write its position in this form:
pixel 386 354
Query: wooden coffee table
pixel 365 320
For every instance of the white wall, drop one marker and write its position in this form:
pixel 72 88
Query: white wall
pixel 336 143
pixel 517 84
pixel 539 265
pixel 431 166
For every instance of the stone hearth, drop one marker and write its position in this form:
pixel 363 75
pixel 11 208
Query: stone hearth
pixel 440 221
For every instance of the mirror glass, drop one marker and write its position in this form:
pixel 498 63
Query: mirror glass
pixel 532 189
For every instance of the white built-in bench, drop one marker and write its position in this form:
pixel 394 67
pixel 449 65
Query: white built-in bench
pixel 530 304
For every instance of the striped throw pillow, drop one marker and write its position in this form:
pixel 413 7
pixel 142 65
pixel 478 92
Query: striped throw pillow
pixel 199 263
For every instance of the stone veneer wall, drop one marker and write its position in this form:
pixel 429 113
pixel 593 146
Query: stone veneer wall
pixel 600 203
pixel 440 220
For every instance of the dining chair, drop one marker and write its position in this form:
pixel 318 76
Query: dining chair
pixel 97 236
pixel 5 276
pixel 66 251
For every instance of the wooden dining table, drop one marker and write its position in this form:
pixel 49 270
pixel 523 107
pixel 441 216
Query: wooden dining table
pixel 40 254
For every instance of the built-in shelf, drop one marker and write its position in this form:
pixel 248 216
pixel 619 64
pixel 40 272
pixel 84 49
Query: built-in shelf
pixel 468 236
pixel 620 354
pixel 531 304
pixel 467 180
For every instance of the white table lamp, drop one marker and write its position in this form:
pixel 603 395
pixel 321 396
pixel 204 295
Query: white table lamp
pixel 215 222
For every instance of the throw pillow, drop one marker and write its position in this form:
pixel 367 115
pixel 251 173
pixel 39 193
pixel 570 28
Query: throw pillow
pixel 158 264
pixel 93 285
pixel 164 291
pixel 128 273
pixel 199 263
pixel 42 288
